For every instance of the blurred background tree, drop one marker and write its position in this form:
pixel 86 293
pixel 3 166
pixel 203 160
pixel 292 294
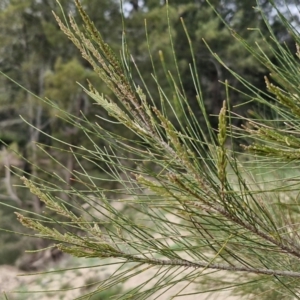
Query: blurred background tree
pixel 36 54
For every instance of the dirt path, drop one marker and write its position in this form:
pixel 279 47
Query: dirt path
pixel 10 281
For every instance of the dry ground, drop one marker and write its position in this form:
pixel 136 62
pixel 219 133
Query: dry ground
pixel 10 281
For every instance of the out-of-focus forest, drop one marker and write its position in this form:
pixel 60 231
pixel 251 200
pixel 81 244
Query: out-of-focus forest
pixel 39 57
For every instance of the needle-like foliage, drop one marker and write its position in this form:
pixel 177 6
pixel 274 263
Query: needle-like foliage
pixel 190 212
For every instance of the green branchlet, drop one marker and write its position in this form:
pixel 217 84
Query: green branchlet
pixel 221 149
pixel 277 142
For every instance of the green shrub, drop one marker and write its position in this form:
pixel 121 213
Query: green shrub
pixel 197 206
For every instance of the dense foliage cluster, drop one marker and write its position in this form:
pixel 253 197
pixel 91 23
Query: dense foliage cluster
pixel 140 164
